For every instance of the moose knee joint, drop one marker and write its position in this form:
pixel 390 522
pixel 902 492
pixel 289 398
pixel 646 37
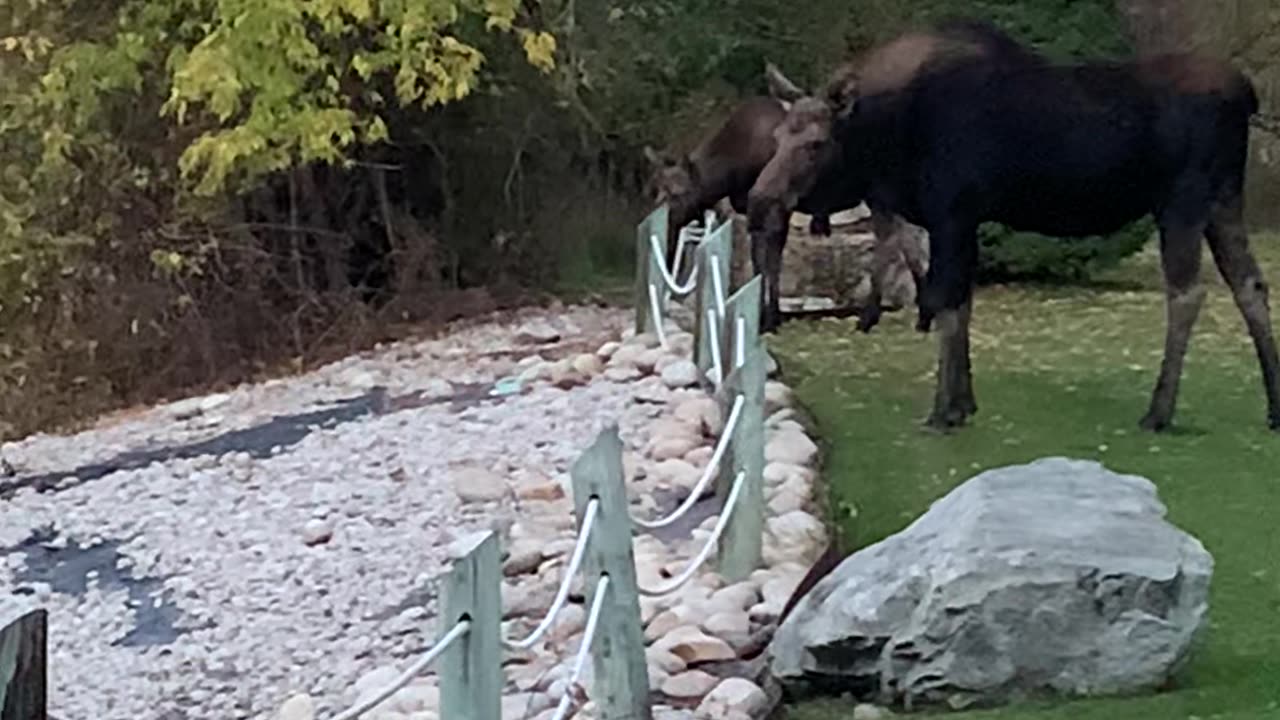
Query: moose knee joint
pixel 1254 291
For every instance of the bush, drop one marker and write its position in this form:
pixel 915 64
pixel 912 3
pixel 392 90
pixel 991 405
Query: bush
pixel 1005 254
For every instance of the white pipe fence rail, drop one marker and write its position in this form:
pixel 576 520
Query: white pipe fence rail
pixel 470 643
pixel 408 675
pixel 566 582
pixel 708 473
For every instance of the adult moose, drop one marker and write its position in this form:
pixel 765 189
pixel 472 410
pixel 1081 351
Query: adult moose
pixel 726 164
pixel 884 68
pixel 1063 150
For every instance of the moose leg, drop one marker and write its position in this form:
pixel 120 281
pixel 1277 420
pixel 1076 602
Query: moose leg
pixel 883 227
pixel 773 271
pixel 964 396
pixel 759 262
pixel 1229 244
pixel 767 243
pixel 948 296
pixel 1184 296
pixel 953 402
pixel 916 263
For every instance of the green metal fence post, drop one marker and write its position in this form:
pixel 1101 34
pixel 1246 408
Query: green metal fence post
pixel 740 550
pixel 23 662
pixel 654 223
pixel 621 678
pixel 471 669
pixel 715 251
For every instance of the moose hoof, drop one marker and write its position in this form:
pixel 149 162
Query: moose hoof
pixel 1153 422
pixel 868 318
pixel 924 322
pixel 1273 422
pixel 946 420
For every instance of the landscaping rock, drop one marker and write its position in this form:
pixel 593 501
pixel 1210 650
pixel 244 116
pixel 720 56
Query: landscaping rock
pixel 525 558
pixel 776 397
pixel 540 488
pixel 740 596
pixel 794 537
pixel 735 695
pixel 317 531
pixel 588 365
pixel 564 376
pixel 777 473
pixel 702 413
pixel 676 473
pixel 652 391
pixel 1058 575
pixel 477 484
pixel 790 447
pixel 694 646
pixel 569 623
pixel 672 447
pixel 680 374
pixel 375 681
pixel 297 707
pixel 417 698
pixel 681 343
pixel 647 361
pixel 732 627
pixel 673 427
pixel 626 356
pixel 690 685
pixel 668 662
pixel 789 498
pixel 700 456
pixel 621 374
pixel 537 333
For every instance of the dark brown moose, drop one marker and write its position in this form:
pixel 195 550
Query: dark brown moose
pixel 1064 150
pixel 727 163
pixel 884 68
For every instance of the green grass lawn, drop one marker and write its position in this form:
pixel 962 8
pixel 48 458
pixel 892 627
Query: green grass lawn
pixel 1068 371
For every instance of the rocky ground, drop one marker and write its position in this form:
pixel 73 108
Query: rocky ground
pixel 274 551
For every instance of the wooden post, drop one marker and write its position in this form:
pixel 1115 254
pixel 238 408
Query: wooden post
pixel 740 550
pixel 718 245
pixel 471 669
pixel 621 672
pixel 23 662
pixel 655 222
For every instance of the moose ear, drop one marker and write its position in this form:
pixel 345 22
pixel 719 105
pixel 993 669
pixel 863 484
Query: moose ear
pixel 655 158
pixel 780 86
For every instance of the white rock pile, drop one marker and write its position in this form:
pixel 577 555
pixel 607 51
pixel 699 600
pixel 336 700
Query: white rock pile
pixel 306 579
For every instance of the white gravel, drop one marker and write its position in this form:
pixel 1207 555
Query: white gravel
pixel 303 577
pixel 270 614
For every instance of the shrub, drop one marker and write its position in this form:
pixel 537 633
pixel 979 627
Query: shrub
pixel 1005 254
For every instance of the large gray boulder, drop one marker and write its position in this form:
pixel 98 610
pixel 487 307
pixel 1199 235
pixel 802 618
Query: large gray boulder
pixel 1056 577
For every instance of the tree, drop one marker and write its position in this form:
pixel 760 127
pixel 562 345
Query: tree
pixel 138 138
